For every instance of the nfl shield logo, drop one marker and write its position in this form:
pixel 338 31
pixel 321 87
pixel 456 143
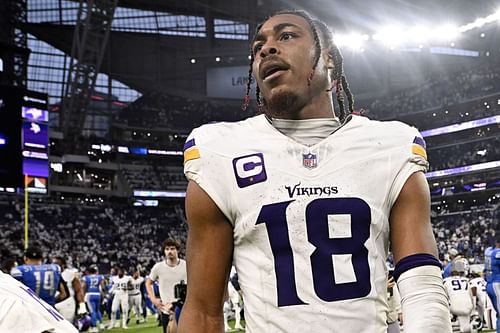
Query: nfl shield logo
pixel 309 160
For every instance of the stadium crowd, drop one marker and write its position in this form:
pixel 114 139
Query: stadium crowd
pixel 90 235
pixel 468 153
pixel 440 90
pixel 470 230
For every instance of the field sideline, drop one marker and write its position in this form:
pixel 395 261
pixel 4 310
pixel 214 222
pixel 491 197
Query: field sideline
pixel 151 326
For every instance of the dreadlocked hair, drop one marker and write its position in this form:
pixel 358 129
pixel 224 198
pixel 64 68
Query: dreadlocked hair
pixel 342 86
pixel 321 35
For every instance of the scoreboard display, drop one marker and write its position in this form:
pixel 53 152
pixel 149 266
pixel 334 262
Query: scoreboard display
pixel 24 140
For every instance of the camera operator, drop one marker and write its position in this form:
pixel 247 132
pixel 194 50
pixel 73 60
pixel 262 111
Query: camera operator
pixel 169 273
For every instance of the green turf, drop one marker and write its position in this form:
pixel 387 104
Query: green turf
pixel 150 326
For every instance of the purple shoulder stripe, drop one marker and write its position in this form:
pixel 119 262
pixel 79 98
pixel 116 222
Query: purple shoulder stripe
pixel 419 141
pixel 189 144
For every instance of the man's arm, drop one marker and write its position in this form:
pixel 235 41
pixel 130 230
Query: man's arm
pixel 424 301
pixel 209 254
pixel 411 230
pixel 149 288
pixel 63 291
pixel 77 287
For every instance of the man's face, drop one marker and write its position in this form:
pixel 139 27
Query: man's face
pixel 57 262
pixel 171 252
pixel 283 57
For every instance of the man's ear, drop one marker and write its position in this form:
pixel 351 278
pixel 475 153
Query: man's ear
pixel 328 59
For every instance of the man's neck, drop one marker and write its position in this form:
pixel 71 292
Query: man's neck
pixel 172 262
pixel 319 106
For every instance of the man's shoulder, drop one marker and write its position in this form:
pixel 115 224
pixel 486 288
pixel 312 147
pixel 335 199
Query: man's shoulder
pixel 384 127
pixel 213 134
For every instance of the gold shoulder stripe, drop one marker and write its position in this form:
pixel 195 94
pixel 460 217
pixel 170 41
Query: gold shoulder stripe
pixel 419 150
pixel 191 154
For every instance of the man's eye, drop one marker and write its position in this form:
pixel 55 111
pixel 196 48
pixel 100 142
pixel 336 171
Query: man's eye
pixel 257 48
pixel 287 36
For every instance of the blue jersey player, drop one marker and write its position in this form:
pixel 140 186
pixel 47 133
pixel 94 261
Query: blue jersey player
pixel 93 285
pixel 44 280
pixel 492 268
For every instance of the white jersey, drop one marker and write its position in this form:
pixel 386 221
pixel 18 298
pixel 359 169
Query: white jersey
pixel 22 311
pixel 120 284
pixel 68 275
pixel 459 293
pixel 311 224
pixel 136 286
pixel 168 277
pixel 480 284
pixel 68 306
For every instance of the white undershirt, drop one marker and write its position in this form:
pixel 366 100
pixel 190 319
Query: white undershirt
pixel 309 131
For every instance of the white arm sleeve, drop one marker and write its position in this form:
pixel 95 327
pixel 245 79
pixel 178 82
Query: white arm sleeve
pixel 424 301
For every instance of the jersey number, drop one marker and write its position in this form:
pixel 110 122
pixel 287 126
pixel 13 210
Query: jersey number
pixel 317 226
pixel 94 283
pixel 460 284
pixel 48 282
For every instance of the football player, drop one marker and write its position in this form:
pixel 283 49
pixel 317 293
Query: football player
pixel 394 314
pixel 44 280
pixel 121 285
pixel 135 296
pixel 492 268
pixel 478 283
pixel 94 285
pixel 70 276
pixel 306 200
pixel 461 296
pixel 232 302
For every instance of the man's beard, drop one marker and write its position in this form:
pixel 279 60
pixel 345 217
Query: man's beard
pixel 284 104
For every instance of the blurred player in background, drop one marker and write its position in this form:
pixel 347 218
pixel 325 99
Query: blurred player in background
pixel 23 311
pixel 462 298
pixel 68 307
pixel 121 285
pixel 44 280
pixel 492 268
pixel 233 302
pixel 394 314
pixel 452 254
pixel 135 296
pixel 168 273
pixel 306 200
pixel 478 284
pixel 8 264
pixel 94 285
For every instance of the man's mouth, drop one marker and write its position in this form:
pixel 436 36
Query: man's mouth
pixel 272 70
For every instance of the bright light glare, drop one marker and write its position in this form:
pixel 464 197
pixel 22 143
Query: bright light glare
pixel 354 41
pixel 481 21
pixel 390 36
pixel 446 32
pixel 420 34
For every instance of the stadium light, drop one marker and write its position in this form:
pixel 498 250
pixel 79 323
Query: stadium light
pixel 420 34
pixel 390 36
pixel 355 41
pixel 446 32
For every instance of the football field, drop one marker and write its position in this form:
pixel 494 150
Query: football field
pixel 151 326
